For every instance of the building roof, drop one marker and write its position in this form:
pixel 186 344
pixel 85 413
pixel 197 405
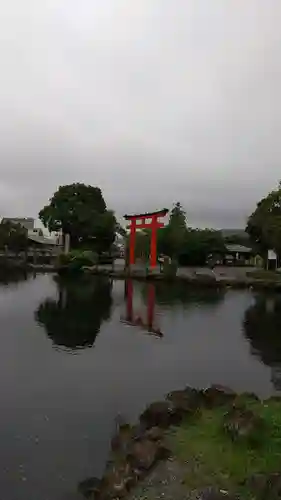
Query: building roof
pixel 238 249
pixel 42 240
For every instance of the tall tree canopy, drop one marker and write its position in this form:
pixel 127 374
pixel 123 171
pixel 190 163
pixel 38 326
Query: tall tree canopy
pixel 264 224
pixel 80 211
pixel 172 237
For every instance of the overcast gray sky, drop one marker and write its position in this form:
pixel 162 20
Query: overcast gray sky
pixel 152 100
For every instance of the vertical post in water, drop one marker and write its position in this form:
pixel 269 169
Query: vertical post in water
pixel 153 244
pixel 129 300
pixel 132 241
pixel 150 306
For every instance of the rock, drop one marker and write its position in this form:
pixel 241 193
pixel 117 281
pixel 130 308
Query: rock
pixel 121 441
pixel 241 399
pixel 89 487
pixel 273 487
pixel 117 481
pixel 225 389
pixel 185 402
pixel 154 434
pixel 160 414
pixel 257 483
pixel 218 395
pixel 212 494
pixel 243 424
pixel 145 453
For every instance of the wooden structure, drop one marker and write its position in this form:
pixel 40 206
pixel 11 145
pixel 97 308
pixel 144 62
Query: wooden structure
pixel 145 221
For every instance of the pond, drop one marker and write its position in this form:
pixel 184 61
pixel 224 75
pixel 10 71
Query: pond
pixel 78 355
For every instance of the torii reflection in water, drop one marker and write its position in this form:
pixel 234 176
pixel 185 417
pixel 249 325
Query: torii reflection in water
pixel 131 319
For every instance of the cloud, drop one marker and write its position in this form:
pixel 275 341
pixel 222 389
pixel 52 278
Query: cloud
pixel 153 101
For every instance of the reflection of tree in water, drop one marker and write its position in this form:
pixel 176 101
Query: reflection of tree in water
pixel 75 318
pixel 262 327
pixel 178 293
pixel 13 277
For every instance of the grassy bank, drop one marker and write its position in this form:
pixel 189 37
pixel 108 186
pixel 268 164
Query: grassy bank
pixel 193 442
pixel 227 463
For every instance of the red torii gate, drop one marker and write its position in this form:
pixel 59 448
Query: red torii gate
pixel 138 221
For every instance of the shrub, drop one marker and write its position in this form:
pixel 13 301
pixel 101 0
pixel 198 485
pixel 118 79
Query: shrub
pixel 76 259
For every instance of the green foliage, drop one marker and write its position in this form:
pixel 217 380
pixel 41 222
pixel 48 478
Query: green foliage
pixel 216 460
pixel 172 237
pixel 76 259
pixel 80 211
pixel 237 239
pixel 264 224
pixel 198 244
pixel 177 217
pixel 13 236
pixel 186 245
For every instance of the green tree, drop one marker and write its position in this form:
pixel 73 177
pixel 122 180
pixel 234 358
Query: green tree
pixel 80 211
pixel 13 236
pixel 187 245
pixel 172 237
pixel 177 218
pixel 199 244
pixel 264 224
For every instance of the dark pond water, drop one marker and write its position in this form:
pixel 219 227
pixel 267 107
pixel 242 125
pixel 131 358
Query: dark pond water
pixel 77 355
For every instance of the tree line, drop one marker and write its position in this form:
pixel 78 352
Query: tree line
pixel 264 224
pixel 183 244
pixel 80 211
pixel 12 237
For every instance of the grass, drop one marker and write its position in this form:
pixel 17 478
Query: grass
pixel 214 460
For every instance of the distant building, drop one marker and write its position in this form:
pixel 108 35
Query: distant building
pixel 36 237
pixel 35 232
pixel 26 222
pixel 237 254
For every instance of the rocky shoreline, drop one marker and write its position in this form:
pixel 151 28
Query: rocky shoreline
pixel 199 279
pixel 137 450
